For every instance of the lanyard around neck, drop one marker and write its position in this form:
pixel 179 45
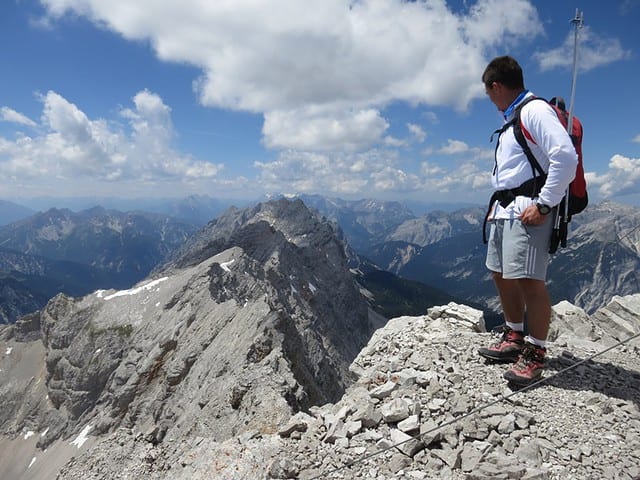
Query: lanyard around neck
pixel 509 111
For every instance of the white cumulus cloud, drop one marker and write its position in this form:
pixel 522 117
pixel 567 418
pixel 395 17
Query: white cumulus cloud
pixel 454 147
pixel 315 65
pixel 10 115
pixel 378 172
pixel 464 178
pixel 417 132
pixel 71 147
pixel 458 147
pixel 593 51
pixel 622 178
pixel 337 173
pixel 307 129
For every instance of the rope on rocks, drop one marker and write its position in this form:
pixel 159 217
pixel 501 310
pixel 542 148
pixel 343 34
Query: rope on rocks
pixel 502 398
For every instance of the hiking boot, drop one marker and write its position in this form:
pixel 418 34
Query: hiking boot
pixel 529 366
pixel 507 349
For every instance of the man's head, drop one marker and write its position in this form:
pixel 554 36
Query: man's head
pixel 503 81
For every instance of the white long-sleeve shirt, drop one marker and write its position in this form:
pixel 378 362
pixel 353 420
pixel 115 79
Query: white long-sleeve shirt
pixel 550 144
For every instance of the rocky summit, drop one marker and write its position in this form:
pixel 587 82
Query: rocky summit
pixel 253 356
pixel 425 406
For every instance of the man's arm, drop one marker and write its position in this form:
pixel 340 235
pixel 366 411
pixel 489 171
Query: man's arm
pixel 542 123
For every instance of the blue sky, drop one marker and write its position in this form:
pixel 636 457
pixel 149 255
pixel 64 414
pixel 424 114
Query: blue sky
pixel 345 98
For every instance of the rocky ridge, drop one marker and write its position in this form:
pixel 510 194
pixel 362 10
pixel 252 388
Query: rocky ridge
pixel 424 406
pixel 258 318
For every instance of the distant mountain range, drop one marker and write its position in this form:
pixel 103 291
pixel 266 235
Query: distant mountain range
pixel 364 222
pixel 195 209
pixel 77 253
pixel 11 212
pixel 436 255
pixel 61 251
pixel 445 249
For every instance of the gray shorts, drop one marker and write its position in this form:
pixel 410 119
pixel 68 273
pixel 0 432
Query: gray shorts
pixel 519 251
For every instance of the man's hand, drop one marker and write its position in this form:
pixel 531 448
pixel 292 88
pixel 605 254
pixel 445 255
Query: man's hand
pixel 531 216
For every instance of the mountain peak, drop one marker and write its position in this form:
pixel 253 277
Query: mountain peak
pixel 295 222
pixel 258 319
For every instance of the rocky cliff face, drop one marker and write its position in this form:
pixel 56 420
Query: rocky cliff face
pixel 258 318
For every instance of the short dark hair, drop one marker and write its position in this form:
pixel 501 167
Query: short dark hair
pixel 504 70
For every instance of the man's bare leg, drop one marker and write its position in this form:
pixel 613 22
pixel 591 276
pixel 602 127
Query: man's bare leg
pixel 511 298
pixel 538 306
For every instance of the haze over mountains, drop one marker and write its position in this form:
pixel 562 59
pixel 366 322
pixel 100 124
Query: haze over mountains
pixel 76 253
pixel 195 209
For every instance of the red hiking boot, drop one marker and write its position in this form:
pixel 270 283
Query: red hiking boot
pixel 529 366
pixel 507 349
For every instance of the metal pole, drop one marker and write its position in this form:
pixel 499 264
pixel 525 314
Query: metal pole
pixel 577 22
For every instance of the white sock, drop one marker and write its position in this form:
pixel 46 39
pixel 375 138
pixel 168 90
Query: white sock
pixel 518 327
pixel 535 341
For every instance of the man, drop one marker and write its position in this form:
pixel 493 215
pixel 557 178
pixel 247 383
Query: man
pixel 522 217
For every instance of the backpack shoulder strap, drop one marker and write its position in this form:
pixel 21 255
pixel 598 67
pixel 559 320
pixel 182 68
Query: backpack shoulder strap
pixel 517 131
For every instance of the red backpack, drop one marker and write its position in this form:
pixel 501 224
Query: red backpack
pixel 578 198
